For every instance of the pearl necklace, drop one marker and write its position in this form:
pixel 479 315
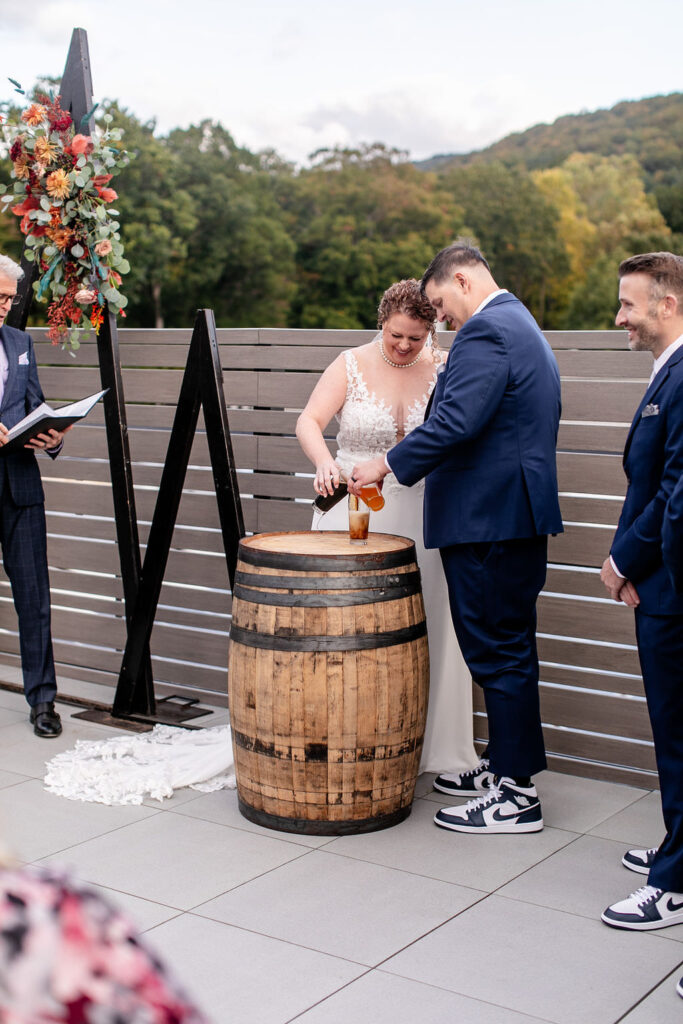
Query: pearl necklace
pixel 397 366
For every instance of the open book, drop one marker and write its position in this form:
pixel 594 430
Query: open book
pixel 44 418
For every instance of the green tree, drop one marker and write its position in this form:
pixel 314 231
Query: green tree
pixel 516 227
pixel 157 221
pixel 609 194
pixel 240 257
pixel 362 219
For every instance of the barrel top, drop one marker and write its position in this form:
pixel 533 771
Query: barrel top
pixel 325 543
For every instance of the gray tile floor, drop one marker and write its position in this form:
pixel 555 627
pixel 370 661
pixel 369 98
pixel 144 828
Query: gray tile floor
pixel 402 926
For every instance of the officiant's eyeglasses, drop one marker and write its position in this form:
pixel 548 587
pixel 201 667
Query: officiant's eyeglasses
pixel 12 299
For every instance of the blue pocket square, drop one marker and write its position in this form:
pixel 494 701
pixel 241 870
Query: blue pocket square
pixel 650 410
pixel 23 359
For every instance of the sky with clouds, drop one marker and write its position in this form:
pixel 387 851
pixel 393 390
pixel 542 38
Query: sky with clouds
pixel 429 77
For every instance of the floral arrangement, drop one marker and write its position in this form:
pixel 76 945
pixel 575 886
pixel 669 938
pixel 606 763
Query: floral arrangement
pixel 61 193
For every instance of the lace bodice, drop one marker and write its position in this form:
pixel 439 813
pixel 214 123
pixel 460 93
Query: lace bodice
pixel 367 426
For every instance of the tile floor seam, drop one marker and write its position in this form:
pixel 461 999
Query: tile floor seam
pixel 647 994
pixel 429 931
pixel 98 835
pixel 273 938
pixel 404 871
pixel 268 833
pixel 324 999
pixel 465 995
pixel 246 881
pixel 616 814
pixel 651 933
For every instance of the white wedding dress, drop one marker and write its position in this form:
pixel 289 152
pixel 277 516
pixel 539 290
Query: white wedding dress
pixel 367 429
pixel 129 769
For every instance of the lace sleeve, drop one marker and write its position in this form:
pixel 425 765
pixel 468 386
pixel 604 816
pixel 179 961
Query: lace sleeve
pixel 355 385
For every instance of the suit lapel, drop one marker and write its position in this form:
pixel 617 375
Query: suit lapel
pixel 11 351
pixel 651 391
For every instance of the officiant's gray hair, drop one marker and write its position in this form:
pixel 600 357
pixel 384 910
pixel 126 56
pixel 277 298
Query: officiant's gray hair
pixel 8 268
pixel 462 253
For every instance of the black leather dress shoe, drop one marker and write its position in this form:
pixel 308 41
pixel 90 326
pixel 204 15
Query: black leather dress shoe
pixel 46 721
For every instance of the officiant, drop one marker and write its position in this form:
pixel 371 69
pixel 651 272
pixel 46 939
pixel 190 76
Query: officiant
pixel 23 534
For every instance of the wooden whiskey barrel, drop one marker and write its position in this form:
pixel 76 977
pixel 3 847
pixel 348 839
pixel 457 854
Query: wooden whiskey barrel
pixel 328 681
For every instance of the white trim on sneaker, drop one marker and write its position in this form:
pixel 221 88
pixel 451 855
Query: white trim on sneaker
pixel 506 808
pixel 645 909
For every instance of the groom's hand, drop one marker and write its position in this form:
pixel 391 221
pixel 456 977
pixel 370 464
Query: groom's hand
pixel 365 473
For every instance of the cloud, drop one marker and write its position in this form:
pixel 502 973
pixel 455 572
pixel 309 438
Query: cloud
pixel 49 21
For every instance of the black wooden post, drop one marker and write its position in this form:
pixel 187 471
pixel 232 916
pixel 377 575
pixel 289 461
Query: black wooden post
pixel 202 386
pixel 77 97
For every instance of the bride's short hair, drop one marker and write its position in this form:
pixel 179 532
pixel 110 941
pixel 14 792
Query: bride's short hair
pixel 405 297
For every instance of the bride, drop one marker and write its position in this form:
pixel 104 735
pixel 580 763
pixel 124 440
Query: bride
pixel 379 392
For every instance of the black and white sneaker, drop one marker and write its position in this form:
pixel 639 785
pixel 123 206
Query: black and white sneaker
pixel 639 860
pixel 679 987
pixel 472 783
pixel 505 807
pixel 646 908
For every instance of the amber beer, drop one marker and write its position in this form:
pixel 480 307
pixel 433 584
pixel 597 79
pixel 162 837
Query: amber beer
pixel 359 522
pixel 372 496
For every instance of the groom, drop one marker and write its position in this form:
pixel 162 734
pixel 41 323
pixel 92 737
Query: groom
pixel 487 450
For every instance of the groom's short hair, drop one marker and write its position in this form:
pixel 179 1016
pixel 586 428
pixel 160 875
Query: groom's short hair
pixel 460 254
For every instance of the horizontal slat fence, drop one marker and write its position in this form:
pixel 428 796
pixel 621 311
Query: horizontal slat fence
pixel 592 701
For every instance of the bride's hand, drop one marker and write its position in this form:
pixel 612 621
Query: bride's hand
pixel 327 476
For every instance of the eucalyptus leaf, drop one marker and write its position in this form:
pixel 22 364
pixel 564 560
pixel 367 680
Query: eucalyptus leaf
pixel 77 250
pixel 123 266
pixel 29 255
pixel 81 162
pixel 45 202
pixel 79 180
pixel 3 188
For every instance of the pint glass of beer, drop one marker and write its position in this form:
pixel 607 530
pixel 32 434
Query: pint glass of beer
pixel 359 521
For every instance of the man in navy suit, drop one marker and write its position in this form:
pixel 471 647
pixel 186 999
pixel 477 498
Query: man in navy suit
pixel 22 512
pixel 651 310
pixel 672 537
pixel 487 450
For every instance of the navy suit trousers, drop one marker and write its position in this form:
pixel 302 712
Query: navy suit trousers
pixel 24 556
pixel 493 587
pixel 660 648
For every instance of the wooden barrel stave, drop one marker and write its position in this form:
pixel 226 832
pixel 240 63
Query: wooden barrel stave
pixel 341 755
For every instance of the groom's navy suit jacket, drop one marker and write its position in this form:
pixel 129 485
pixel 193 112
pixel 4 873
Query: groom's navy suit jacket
pixel 20 472
pixel 487 448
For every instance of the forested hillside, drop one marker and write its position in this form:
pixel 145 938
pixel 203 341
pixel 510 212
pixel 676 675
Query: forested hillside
pixel 208 223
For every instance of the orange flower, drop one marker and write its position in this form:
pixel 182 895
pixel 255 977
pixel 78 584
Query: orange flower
pixel 45 150
pixel 21 170
pixel 81 144
pixel 97 318
pixel 58 184
pixel 62 237
pixel 35 115
pixel 108 194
